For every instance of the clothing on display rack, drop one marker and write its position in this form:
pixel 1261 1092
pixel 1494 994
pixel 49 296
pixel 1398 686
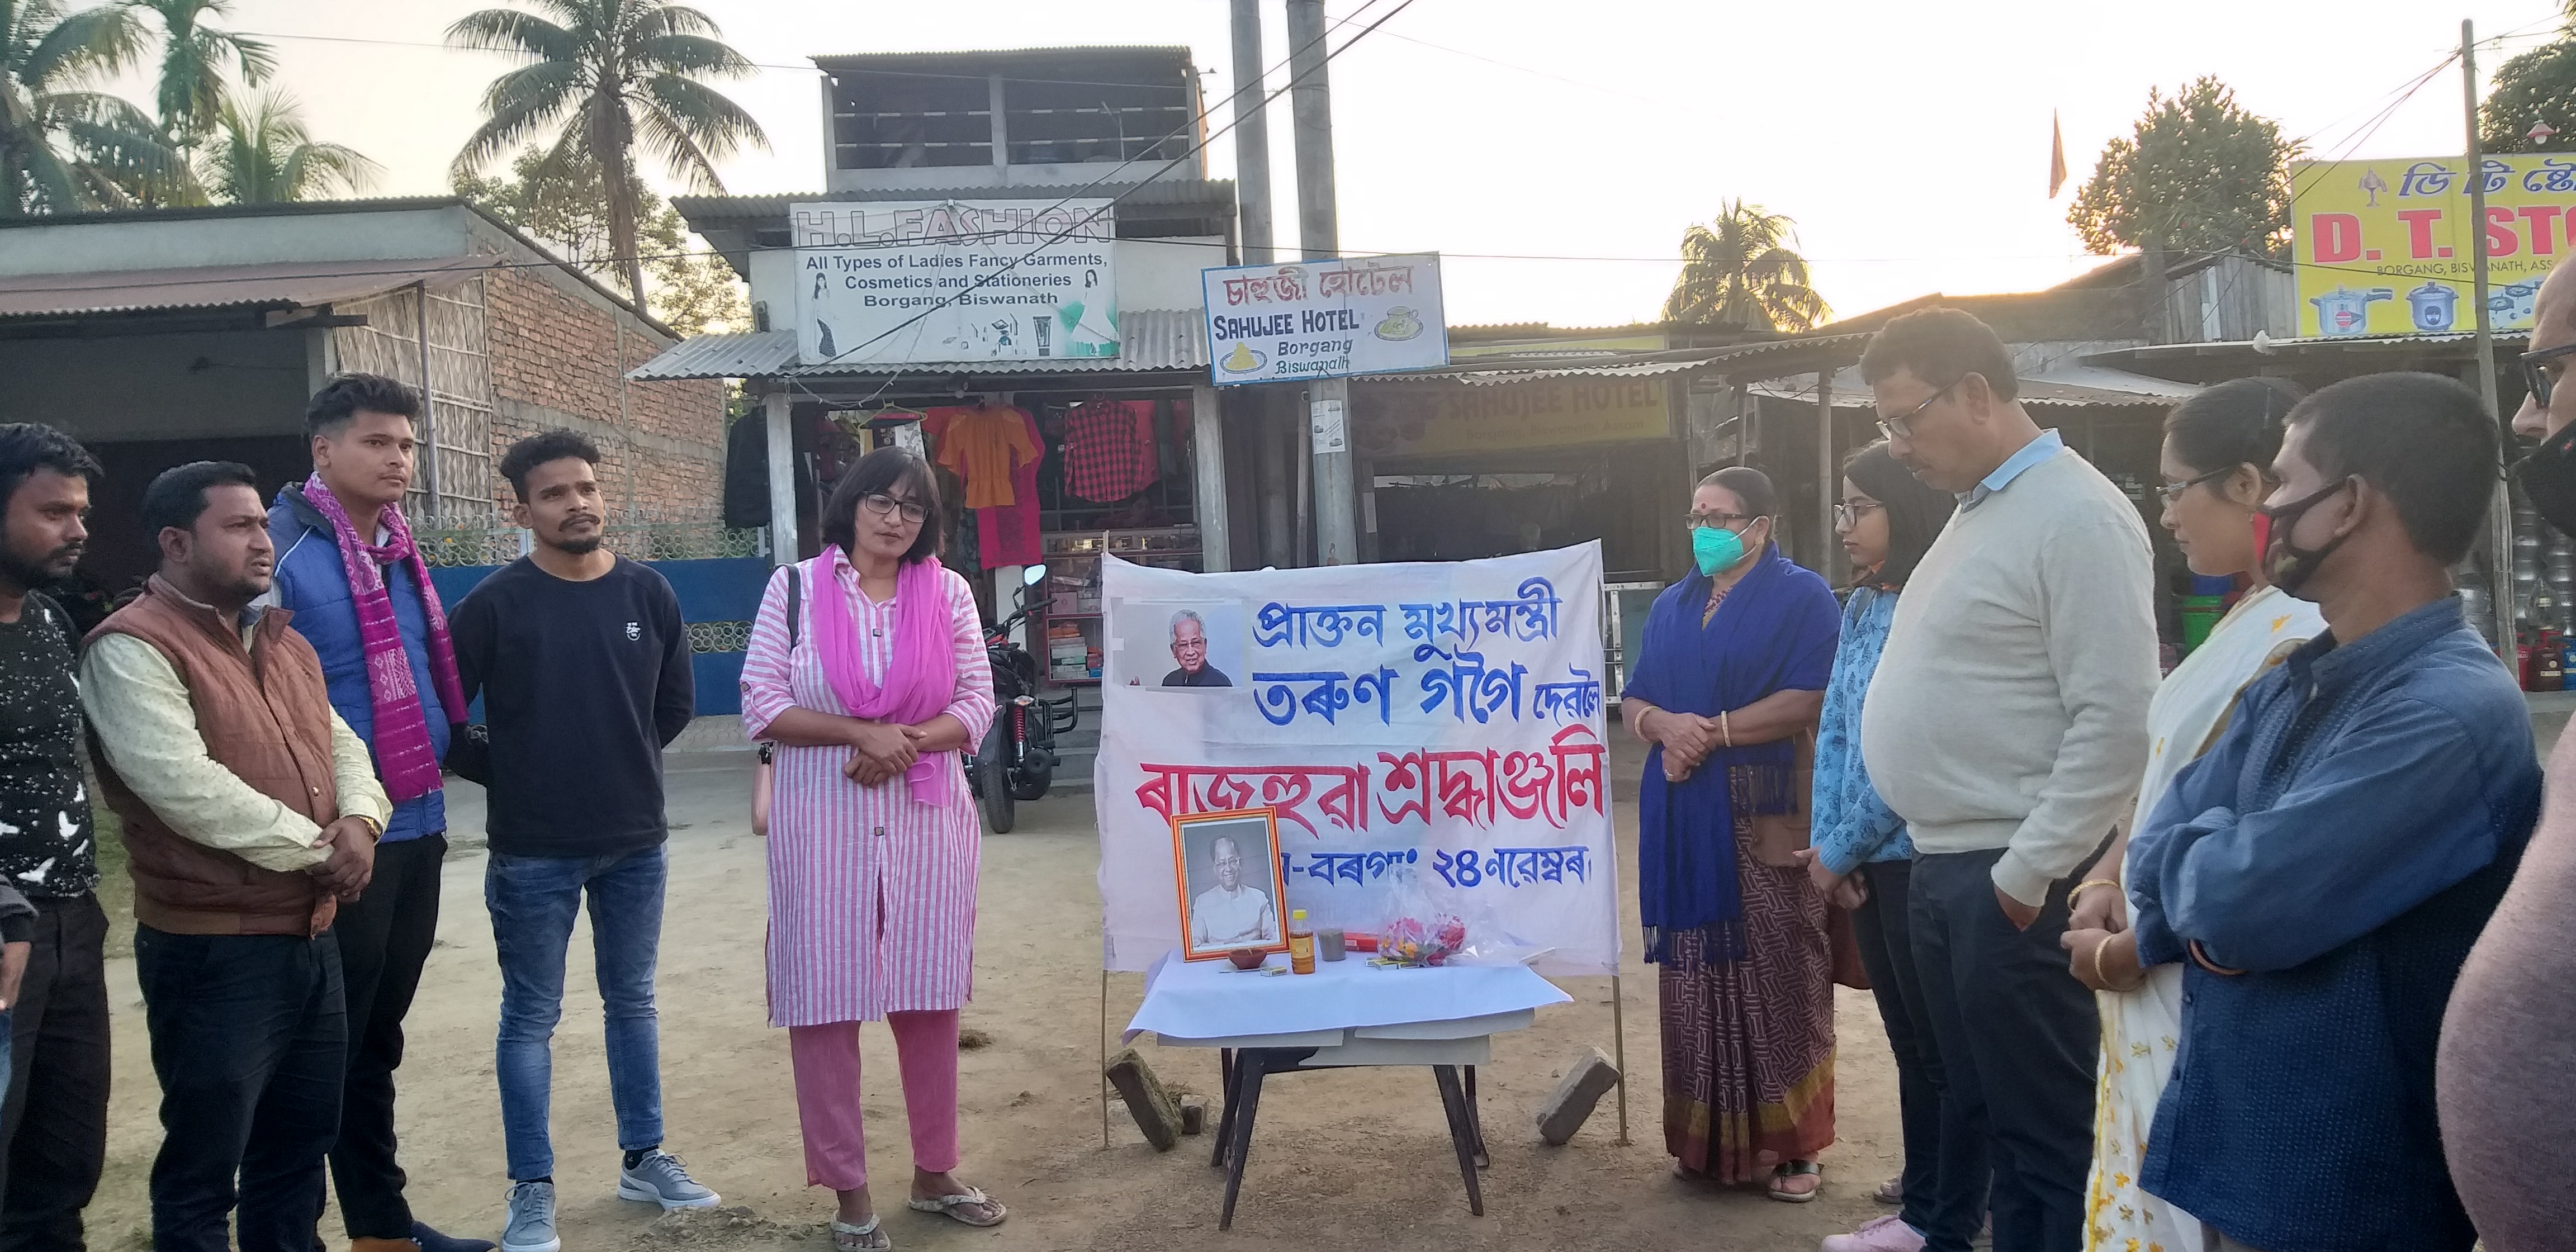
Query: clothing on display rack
pixel 1109 449
pixel 984 445
pixel 1010 533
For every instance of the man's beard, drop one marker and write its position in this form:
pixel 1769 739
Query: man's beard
pixel 29 575
pixel 580 547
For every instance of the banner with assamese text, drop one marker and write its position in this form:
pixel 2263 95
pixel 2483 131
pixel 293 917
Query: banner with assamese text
pixel 1438 724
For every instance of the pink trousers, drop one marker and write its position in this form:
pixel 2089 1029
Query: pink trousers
pixel 827 1095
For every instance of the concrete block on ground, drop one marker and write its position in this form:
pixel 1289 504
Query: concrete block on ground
pixel 1155 1111
pixel 1194 1115
pixel 1585 1082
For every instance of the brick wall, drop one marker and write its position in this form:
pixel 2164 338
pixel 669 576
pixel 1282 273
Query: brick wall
pixel 556 361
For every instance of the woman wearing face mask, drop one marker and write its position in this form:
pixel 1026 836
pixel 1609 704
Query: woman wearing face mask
pixel 1727 685
pixel 1862 859
pixel 2218 454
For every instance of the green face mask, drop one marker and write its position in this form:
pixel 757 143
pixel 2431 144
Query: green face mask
pixel 1715 548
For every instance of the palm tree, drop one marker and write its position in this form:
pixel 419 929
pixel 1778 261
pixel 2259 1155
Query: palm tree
pixel 261 154
pixel 1741 269
pixel 606 76
pixel 197 61
pixel 64 149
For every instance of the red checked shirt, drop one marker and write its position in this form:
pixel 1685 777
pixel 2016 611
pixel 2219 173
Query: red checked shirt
pixel 1109 449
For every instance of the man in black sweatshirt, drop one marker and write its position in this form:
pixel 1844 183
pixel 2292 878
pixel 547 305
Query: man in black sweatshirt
pixel 583 665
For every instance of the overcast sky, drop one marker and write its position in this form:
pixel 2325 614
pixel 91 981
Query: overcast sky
pixel 1909 143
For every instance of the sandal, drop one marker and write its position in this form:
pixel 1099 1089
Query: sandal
pixel 1787 1170
pixel 948 1205
pixel 866 1237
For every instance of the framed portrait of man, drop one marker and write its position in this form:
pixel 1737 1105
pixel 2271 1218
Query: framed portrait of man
pixel 1233 893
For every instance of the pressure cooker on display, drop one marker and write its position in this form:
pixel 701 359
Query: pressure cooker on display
pixel 2433 306
pixel 2344 311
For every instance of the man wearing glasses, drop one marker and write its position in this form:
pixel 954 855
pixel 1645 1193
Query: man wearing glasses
pixel 2504 1120
pixel 583 665
pixel 2007 726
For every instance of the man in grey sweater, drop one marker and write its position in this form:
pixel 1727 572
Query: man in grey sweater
pixel 2007 725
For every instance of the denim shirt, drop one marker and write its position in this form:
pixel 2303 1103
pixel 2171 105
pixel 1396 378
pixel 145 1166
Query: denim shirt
pixel 2342 844
pixel 1852 826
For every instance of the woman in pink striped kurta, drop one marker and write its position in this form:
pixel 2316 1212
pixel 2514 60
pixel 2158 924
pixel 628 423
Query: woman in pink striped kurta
pixel 871 873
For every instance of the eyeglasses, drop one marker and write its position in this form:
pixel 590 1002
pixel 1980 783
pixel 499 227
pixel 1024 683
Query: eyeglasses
pixel 1849 514
pixel 1903 427
pixel 2172 492
pixel 884 505
pixel 2540 371
pixel 1721 521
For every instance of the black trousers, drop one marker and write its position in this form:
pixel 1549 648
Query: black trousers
pixel 53 1127
pixel 250 1042
pixel 2018 1038
pixel 385 938
pixel 1886 935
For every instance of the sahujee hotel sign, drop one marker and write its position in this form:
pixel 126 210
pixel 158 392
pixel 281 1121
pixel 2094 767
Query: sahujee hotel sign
pixel 1325 319
pixel 910 282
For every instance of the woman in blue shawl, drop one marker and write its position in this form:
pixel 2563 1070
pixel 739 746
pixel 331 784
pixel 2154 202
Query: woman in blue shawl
pixel 1727 686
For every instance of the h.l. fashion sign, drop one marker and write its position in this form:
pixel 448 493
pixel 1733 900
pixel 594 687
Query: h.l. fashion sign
pixel 905 282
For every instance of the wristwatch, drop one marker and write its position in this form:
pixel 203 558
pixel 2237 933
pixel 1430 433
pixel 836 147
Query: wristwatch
pixel 375 829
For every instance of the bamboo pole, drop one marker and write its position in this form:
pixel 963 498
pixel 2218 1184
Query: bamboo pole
pixel 1619 1042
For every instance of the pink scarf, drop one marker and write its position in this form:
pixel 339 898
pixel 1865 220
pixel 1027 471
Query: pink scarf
pixel 404 757
pixel 921 674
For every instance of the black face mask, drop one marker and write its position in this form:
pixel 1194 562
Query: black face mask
pixel 2549 478
pixel 2290 565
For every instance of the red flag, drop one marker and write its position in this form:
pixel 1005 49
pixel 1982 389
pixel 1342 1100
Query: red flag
pixel 2056 156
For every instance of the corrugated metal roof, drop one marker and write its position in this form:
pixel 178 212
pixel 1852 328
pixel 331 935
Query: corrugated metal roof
pixel 1148 339
pixel 285 284
pixel 2101 389
pixel 1495 371
pixel 1161 192
pixel 997 56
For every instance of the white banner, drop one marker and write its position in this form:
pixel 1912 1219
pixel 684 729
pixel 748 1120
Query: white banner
pixel 1438 723
pixel 865 269
pixel 1325 319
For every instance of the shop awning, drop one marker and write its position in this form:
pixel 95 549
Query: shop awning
pixel 277 285
pixel 2066 386
pixel 1766 359
pixel 2356 353
pixel 1148 340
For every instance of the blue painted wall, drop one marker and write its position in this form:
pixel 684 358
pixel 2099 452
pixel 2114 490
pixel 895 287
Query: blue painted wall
pixel 726 589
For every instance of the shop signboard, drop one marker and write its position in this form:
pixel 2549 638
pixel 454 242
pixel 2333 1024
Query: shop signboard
pixel 2383 247
pixel 1429 737
pixel 1325 319
pixel 1424 420
pixel 928 281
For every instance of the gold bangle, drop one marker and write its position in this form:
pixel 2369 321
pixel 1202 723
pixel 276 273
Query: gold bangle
pixel 2098 978
pixel 2112 883
pixel 1724 730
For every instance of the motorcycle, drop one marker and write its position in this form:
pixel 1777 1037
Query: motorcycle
pixel 1017 759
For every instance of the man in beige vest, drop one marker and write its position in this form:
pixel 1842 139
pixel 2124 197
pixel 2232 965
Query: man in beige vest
pixel 249 810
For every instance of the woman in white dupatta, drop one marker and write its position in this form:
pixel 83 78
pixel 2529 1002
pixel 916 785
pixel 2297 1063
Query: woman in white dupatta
pixel 2218 455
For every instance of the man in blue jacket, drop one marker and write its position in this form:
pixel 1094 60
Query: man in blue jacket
pixel 361 596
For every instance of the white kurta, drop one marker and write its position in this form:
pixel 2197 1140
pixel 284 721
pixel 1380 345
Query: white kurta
pixel 871 895
pixel 2142 1029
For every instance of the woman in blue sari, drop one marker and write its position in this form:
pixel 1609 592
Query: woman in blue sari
pixel 1727 686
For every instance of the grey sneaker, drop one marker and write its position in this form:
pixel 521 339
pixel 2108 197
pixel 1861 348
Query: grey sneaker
pixel 532 1219
pixel 661 1179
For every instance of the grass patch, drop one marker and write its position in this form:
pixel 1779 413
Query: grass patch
pixel 115 885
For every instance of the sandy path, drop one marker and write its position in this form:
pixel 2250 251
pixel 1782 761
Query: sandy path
pixel 1346 1159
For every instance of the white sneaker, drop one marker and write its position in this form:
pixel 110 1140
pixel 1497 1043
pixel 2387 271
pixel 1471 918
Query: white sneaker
pixel 532 1219
pixel 661 1179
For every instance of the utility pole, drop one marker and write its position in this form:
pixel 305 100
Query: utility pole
pixel 1251 135
pixel 1319 233
pixel 2500 514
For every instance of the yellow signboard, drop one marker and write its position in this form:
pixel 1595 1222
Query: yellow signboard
pixel 2383 247
pixel 1427 420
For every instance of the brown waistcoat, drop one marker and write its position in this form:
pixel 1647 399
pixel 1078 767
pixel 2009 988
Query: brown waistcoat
pixel 265 714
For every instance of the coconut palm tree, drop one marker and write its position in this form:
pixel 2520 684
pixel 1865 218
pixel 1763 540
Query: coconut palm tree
pixel 1742 269
pixel 602 78
pixel 64 149
pixel 262 154
pixel 197 65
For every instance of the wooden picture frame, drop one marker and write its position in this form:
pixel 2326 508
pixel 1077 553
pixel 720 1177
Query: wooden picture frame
pixel 1212 926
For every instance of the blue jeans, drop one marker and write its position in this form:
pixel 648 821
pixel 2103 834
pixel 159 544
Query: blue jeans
pixel 533 901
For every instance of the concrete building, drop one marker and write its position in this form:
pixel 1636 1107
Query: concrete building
pixel 164 336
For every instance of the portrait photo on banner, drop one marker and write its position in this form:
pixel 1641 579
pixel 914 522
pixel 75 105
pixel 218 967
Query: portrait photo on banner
pixel 1232 891
pixel 1177 645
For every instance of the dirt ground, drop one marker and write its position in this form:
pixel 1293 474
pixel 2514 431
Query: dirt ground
pixel 1351 1158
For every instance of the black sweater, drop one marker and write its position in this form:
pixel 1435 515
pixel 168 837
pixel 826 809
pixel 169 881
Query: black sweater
pixel 583 684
